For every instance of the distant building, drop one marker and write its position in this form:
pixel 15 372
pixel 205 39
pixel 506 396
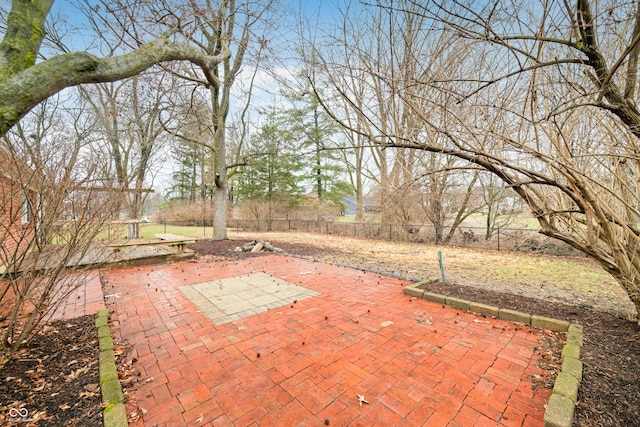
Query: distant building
pixel 350 202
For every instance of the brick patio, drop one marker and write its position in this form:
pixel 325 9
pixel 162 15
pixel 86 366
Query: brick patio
pixel 304 363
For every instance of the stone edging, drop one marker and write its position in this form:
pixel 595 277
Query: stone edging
pixel 561 405
pixel 114 414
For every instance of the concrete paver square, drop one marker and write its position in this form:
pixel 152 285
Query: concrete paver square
pixel 226 300
pixel 333 333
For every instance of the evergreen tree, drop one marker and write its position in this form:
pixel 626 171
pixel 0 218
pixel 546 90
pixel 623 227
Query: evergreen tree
pixel 317 137
pixel 274 170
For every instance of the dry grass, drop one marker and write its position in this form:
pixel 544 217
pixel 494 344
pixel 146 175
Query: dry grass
pixel 558 279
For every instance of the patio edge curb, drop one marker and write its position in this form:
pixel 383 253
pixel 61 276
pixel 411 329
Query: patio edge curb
pixel 114 413
pixel 562 402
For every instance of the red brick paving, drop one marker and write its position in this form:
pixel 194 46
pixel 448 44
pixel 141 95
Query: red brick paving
pixel 87 299
pixel 305 363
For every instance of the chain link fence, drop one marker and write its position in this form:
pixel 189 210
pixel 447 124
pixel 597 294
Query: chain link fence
pixel 508 239
pixel 503 239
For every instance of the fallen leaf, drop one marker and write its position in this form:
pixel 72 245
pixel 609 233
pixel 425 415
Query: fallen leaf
pixel 135 415
pixel 37 416
pixel 75 374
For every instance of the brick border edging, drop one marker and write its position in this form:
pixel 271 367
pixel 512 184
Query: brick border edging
pixel 114 413
pixel 562 402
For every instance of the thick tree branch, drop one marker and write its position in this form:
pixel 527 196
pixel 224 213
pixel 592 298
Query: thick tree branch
pixel 21 92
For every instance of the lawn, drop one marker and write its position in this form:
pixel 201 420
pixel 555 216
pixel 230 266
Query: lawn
pixel 149 230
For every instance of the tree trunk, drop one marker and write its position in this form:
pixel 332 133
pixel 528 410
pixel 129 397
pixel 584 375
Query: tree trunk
pixel 359 196
pixel 631 287
pixel 220 189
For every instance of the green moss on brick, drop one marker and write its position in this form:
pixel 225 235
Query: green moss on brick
pixel 433 297
pixel 572 367
pixel 101 321
pixel 115 416
pixel 574 336
pixel 549 323
pixel 458 303
pixel 108 372
pixel 107 356
pixel 111 392
pixel 487 310
pixel 571 350
pixel 567 386
pixel 104 331
pixel 106 343
pixel 515 316
pixel 559 412
pixel 413 292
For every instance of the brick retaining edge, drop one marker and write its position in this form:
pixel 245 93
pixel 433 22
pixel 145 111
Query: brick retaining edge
pixel 114 413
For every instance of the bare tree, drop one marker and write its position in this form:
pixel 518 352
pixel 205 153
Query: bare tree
pixel 51 212
pixel 445 193
pixel 544 98
pixel 501 206
pixel 192 133
pixel 225 27
pixel 128 114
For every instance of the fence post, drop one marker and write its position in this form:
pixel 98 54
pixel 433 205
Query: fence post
pixel 441 266
pixel 498 239
pixel 165 226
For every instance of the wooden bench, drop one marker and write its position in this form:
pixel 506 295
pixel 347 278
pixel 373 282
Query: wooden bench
pixel 161 239
pixel 132 242
pixel 175 240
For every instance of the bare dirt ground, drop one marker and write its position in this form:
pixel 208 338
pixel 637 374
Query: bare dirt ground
pixel 55 377
pixel 609 394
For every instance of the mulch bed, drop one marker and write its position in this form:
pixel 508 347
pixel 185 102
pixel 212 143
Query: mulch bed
pixel 55 378
pixel 53 381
